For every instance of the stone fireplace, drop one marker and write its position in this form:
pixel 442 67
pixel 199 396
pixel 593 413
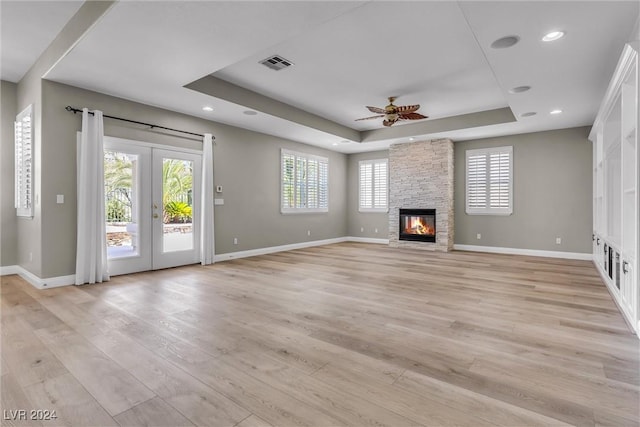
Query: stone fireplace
pixel 421 185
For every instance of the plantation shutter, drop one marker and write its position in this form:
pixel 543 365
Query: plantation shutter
pixel 489 181
pixel 477 181
pixel 499 180
pixel 312 183
pixel 373 185
pixel 380 185
pixel 323 185
pixel 304 183
pixel 301 182
pixel 366 185
pixel 23 127
pixel 288 180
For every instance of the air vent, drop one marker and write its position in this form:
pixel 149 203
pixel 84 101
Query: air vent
pixel 276 62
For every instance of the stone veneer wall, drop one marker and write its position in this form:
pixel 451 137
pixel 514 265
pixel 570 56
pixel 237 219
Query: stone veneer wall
pixel 421 177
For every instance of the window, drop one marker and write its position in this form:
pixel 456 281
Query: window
pixel 24 163
pixel 304 183
pixel 374 186
pixel 490 181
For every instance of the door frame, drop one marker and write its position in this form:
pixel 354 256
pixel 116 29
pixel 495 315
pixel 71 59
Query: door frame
pixel 145 261
pixel 161 259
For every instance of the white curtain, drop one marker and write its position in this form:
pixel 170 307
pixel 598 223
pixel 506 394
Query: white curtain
pixel 91 247
pixel 207 242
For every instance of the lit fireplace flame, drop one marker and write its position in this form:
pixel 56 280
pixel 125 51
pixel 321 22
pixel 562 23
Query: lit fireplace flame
pixel 416 225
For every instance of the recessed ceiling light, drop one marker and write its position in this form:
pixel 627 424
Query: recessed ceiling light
pixel 335 143
pixel 519 89
pixel 553 36
pixel 411 139
pixel 250 112
pixel 207 108
pixel 557 111
pixel 505 42
pixel 528 114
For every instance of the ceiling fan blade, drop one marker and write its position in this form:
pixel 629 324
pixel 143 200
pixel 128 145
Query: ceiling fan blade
pixel 376 110
pixel 411 116
pixel 407 108
pixel 369 118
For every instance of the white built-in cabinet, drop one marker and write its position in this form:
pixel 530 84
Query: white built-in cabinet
pixel 616 186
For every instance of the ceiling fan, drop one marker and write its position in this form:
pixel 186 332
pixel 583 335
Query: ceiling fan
pixel 392 113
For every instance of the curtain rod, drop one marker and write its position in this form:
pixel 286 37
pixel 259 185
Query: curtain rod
pixel 152 126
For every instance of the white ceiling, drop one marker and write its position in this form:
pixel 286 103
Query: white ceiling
pixel 26 29
pixel 348 55
pixel 422 52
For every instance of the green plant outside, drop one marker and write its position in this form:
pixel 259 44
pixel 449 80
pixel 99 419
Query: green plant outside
pixel 177 212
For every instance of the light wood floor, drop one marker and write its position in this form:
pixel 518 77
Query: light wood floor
pixel 346 334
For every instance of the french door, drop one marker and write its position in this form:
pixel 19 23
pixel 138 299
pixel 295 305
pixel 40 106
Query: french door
pixel 152 207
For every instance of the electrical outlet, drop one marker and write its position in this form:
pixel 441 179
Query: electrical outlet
pixel 362 229
pixel 558 241
pixel 30 256
pixel 375 231
pixel 308 232
pixel 235 240
pixel 478 236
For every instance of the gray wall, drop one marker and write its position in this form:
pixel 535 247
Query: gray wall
pixel 29 249
pixel 8 222
pixel 246 164
pixel 370 221
pixel 552 184
pixel 552 194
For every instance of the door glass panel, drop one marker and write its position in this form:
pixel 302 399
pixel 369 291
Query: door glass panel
pixel 121 183
pixel 177 204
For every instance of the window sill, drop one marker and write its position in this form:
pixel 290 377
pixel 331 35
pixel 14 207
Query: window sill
pixel 373 210
pixel 490 213
pixel 302 211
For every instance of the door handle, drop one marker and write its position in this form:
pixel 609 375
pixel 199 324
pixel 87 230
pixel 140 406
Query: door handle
pixel 155 215
pixel 625 264
pixel 155 206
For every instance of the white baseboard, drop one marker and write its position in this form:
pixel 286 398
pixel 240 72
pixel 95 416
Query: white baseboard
pixel 274 249
pixel 37 282
pixel 529 252
pixel 368 240
pixel 8 270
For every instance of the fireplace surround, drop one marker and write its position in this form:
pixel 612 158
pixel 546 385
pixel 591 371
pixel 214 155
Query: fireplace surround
pixel 421 176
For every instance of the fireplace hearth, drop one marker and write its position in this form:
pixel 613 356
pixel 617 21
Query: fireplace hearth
pixel 417 225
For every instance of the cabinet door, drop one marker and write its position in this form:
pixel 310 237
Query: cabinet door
pixel 598 252
pixel 629 290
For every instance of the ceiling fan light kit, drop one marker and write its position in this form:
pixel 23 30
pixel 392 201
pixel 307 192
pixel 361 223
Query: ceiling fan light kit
pixel 394 113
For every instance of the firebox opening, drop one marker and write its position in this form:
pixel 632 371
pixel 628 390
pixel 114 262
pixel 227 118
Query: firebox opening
pixel 418 225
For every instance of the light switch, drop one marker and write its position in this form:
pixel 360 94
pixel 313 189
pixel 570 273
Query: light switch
pixel 218 201
pixel 219 189
pixel 60 199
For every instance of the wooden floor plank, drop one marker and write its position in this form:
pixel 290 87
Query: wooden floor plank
pixel 72 403
pixel 152 413
pixel 26 357
pixel 116 389
pixel 253 421
pixel 199 403
pixel 343 334
pixel 14 404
